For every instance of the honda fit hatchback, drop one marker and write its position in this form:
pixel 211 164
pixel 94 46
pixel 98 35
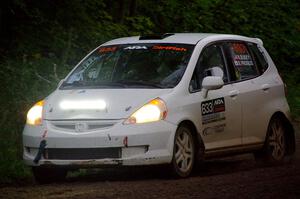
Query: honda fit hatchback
pixel 173 99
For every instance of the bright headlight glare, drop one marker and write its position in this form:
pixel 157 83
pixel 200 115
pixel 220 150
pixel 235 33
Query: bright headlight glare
pixel 153 111
pixel 34 115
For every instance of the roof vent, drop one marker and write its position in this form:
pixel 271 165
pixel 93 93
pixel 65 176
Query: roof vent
pixel 155 36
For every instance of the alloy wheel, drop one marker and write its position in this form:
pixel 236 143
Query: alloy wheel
pixel 277 140
pixel 184 151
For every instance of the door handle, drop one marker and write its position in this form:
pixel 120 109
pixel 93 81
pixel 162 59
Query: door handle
pixel 233 93
pixel 265 87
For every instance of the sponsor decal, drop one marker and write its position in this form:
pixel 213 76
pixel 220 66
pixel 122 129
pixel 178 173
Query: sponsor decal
pixel 136 48
pixel 107 49
pixel 173 48
pixel 241 56
pixel 213 110
pixel 239 48
pixel 243 63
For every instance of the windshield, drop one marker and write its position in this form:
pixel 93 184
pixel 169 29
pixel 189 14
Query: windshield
pixel 131 66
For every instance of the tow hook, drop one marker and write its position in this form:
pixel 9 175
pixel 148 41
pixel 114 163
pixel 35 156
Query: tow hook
pixel 40 152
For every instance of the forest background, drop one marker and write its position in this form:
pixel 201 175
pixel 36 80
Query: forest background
pixel 42 40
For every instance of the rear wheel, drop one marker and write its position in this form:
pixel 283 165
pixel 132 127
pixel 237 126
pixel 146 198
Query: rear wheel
pixel 275 147
pixel 48 175
pixel 183 152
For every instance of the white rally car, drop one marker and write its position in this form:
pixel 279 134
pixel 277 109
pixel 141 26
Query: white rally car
pixel 163 99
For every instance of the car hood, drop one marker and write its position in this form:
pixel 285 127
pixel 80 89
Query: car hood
pixel 108 103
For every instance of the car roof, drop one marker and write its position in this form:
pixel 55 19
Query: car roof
pixel 181 38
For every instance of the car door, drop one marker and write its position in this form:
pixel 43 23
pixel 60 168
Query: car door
pixel 221 109
pixel 253 91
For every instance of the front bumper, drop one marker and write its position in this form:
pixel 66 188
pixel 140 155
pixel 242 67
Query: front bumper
pixel 139 144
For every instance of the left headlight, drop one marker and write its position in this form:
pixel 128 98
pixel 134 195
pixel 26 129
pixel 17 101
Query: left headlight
pixel 34 115
pixel 154 110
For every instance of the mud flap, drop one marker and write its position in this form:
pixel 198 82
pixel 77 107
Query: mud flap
pixel 40 152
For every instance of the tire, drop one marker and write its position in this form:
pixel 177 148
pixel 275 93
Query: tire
pixel 48 175
pixel 275 148
pixel 183 153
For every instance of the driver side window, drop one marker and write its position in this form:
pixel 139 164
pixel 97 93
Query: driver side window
pixel 210 58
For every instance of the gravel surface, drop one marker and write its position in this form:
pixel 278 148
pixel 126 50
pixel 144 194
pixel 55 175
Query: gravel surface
pixel 235 177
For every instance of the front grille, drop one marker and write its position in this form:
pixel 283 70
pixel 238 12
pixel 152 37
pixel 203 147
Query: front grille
pixel 81 153
pixel 90 125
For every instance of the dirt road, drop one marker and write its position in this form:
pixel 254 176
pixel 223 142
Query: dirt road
pixel 237 177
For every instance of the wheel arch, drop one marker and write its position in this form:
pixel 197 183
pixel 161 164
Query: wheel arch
pixel 199 144
pixel 290 132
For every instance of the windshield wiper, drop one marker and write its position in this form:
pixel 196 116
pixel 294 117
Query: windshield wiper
pixel 73 84
pixel 140 83
pixel 117 84
pixel 84 84
pixel 110 84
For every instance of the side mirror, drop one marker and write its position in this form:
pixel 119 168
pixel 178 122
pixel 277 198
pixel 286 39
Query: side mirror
pixel 211 83
pixel 217 71
pixel 214 71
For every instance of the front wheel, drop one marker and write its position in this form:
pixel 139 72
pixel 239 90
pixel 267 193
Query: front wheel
pixel 183 153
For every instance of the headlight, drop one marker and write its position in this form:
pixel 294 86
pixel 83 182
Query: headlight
pixel 153 111
pixel 34 115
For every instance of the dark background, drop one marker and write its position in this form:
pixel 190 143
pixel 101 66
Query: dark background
pixel 42 40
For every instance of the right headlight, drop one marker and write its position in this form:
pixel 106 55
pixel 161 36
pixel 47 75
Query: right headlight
pixel 153 111
pixel 34 115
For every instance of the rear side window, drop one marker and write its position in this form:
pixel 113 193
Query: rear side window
pixel 259 57
pixel 243 63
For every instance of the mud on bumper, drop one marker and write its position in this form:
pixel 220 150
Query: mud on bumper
pixel 131 145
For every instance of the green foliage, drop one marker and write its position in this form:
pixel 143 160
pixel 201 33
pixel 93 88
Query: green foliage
pixel 292 79
pixel 22 86
pixel 41 41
